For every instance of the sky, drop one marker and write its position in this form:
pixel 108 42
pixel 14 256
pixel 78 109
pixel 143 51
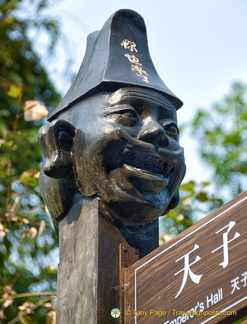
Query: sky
pixel 198 48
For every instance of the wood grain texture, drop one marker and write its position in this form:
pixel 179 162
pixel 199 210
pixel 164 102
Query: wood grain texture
pixel 88 277
pixel 151 283
pixel 127 256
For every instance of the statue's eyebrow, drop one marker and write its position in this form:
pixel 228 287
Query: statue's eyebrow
pixel 136 97
pixel 167 111
pixel 139 105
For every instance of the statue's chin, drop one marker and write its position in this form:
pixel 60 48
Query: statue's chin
pixel 130 210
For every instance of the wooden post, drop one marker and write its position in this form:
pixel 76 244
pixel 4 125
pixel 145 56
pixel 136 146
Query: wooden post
pixel 89 268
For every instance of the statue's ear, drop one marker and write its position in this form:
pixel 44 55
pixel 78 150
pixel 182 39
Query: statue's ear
pixel 56 140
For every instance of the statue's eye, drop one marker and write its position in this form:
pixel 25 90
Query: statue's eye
pixel 172 130
pixel 125 117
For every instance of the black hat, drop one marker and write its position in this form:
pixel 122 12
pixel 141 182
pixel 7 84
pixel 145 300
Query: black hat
pixel 119 55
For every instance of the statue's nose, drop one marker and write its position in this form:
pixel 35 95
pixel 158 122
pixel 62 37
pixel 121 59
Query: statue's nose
pixel 152 132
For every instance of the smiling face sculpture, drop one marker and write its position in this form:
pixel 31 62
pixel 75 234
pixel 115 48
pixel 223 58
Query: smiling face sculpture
pixel 119 139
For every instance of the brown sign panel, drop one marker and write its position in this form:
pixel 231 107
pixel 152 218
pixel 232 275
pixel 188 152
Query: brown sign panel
pixel 198 277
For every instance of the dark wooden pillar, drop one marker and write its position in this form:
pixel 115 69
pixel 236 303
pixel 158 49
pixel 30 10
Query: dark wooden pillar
pixel 89 282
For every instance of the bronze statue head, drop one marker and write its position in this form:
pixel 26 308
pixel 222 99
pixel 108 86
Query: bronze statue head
pixel 115 133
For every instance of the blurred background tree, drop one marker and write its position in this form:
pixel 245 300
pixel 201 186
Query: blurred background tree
pixel 27 240
pixel 221 131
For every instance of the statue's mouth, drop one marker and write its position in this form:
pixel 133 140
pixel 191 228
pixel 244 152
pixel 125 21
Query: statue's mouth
pixel 148 168
pixel 148 163
pixel 149 172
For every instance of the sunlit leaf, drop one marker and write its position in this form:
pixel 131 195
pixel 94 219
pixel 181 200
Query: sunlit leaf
pixel 8 292
pixel 166 238
pixel 3 230
pixel 30 173
pixel 51 269
pixel 30 181
pixel 172 214
pixel 12 89
pixel 20 221
pixel 32 232
pixel 188 187
pixel 33 110
pixel 206 183
pixel 51 317
pixel 202 196
pixel 27 307
pixel 7 303
pixel 49 305
pixel 41 227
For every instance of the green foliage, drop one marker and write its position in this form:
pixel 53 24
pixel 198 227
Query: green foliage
pixel 196 201
pixel 26 236
pixel 222 135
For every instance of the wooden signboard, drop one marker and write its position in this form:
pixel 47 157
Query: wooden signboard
pixel 198 277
